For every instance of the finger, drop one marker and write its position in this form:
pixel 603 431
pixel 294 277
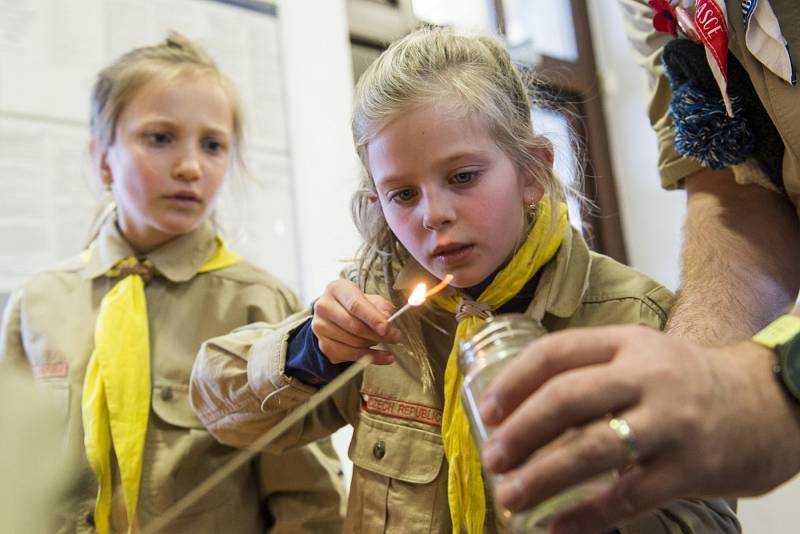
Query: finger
pixel 360 307
pixel 568 400
pixel 330 330
pixel 331 316
pixel 577 456
pixel 339 352
pixel 392 333
pixel 543 359
pixel 381 304
pixel 640 489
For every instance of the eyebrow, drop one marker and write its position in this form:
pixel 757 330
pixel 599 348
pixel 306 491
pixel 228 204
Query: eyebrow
pixel 174 124
pixel 448 160
pixel 481 154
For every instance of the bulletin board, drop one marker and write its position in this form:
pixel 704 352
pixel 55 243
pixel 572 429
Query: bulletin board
pixel 50 52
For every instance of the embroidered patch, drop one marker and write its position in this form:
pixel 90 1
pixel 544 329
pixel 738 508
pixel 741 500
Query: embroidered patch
pixel 51 370
pixel 401 409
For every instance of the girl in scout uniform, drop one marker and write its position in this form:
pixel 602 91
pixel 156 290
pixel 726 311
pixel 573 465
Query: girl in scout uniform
pixel 114 331
pixel 456 183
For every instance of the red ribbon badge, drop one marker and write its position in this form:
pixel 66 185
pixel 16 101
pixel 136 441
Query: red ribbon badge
pixel 664 19
pixel 709 20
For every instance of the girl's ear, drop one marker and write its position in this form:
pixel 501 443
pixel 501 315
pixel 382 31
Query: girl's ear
pixel 372 198
pixel 100 160
pixel 533 187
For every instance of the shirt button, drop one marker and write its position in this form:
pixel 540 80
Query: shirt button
pixel 166 393
pixel 90 519
pixel 379 450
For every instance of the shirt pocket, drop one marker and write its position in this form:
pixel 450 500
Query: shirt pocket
pixel 397 485
pixel 171 404
pixel 180 454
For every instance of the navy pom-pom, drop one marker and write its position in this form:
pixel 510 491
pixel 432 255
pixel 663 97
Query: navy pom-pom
pixel 704 131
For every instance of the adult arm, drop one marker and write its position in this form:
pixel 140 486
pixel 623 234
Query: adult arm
pixel 740 260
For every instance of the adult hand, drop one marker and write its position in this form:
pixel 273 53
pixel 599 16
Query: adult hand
pixel 349 323
pixel 706 422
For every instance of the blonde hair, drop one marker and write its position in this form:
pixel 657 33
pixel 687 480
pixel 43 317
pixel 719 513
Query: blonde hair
pixel 474 75
pixel 118 83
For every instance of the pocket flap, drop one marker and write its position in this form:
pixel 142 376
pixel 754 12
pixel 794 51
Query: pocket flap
pixel 396 451
pixel 171 403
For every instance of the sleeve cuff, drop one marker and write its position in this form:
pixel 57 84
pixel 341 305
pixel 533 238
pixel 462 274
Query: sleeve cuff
pixel 266 367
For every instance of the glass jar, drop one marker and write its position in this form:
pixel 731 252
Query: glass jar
pixel 481 357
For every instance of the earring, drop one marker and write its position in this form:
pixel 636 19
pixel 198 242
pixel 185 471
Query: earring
pixel 532 210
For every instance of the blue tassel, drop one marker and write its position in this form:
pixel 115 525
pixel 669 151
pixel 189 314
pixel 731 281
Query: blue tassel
pixel 704 132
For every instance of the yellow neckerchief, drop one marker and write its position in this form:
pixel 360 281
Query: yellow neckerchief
pixel 116 391
pixel 464 481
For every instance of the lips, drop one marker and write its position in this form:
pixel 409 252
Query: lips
pixel 452 253
pixel 188 197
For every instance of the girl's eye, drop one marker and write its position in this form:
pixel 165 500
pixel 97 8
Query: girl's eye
pixel 213 146
pixel 158 138
pixel 462 178
pixel 403 196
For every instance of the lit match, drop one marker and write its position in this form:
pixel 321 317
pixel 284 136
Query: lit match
pixel 420 293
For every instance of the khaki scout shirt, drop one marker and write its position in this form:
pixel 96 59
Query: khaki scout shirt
pixel 35 479
pixel 400 472
pixel 781 100
pixel 49 324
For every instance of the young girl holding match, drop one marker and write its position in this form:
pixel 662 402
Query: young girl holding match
pixel 456 184
pixel 114 331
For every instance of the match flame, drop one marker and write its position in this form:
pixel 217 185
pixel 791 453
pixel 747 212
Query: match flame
pixel 441 285
pixel 418 295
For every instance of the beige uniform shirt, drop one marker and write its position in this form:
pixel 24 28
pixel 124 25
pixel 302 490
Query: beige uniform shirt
pixel 778 97
pixel 49 324
pixel 399 485
pixel 36 479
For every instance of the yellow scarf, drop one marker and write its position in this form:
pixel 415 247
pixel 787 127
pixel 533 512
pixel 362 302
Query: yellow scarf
pixel 464 481
pixel 116 391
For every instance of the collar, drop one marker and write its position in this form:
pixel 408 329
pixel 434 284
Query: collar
pixel 565 278
pixel 178 260
pixel 560 290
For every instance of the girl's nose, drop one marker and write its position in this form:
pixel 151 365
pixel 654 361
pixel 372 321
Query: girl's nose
pixel 187 168
pixel 438 213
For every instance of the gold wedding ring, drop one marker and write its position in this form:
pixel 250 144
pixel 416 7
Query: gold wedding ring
pixel 625 434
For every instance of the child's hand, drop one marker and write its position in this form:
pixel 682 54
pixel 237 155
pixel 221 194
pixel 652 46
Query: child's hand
pixel 349 323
